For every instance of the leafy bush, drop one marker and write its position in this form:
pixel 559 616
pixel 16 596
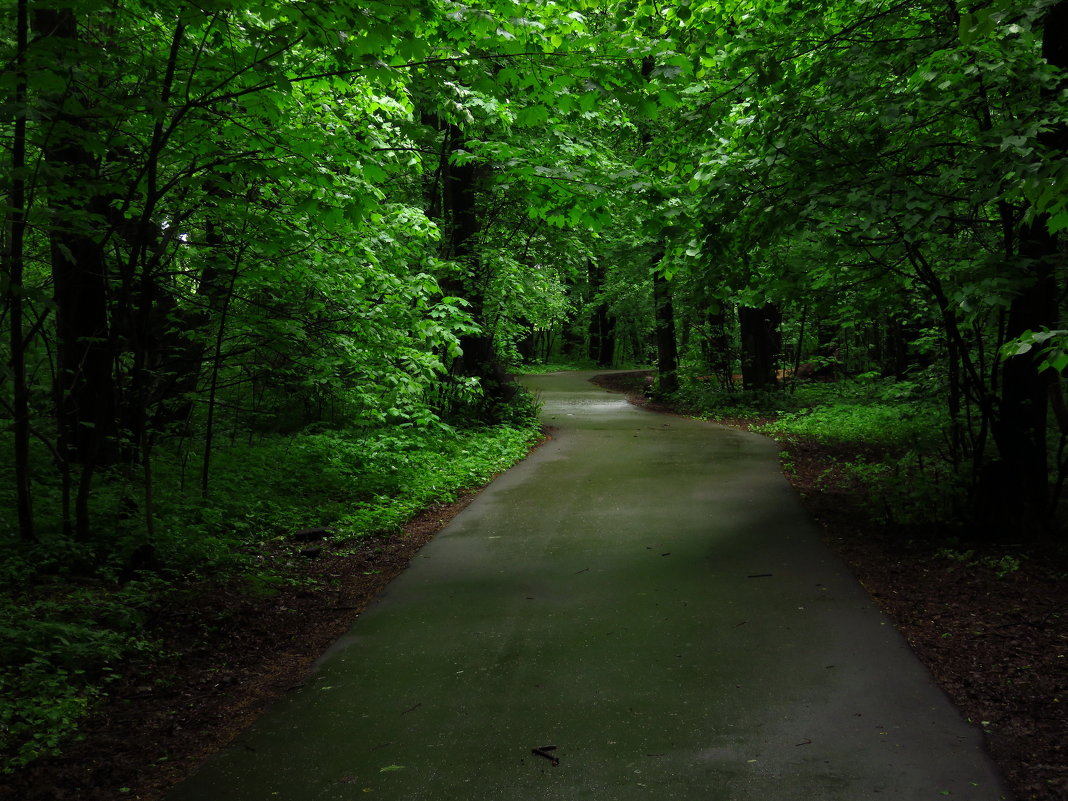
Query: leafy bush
pixel 712 401
pixel 880 412
pixel 908 490
pixel 539 368
pixel 43 706
pixel 903 424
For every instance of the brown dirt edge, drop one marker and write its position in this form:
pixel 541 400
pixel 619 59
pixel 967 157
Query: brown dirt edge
pixel 231 654
pixel 997 646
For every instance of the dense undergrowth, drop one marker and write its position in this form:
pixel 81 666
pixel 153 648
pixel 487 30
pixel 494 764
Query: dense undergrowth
pixel 73 618
pixel 890 437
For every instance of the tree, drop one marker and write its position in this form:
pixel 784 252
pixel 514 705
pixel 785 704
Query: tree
pixel 269 219
pixel 838 125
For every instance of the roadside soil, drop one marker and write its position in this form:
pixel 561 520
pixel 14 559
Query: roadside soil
pixel 998 646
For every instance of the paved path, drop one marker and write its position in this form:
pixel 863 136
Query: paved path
pixel 644 593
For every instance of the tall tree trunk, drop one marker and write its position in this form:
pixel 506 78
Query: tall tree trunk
pixel 605 355
pixel 667 350
pixel 464 226
pixel 1020 431
pixel 213 385
pixel 602 323
pixel 799 351
pixel 761 345
pixel 479 357
pixel 85 386
pixel 15 268
pixel 716 346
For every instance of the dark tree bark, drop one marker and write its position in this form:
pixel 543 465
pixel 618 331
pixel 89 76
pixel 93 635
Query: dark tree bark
pixel 761 345
pixel 573 341
pixel 85 354
pixel 216 365
pixel 602 323
pixel 16 235
pixel 896 357
pixel 667 351
pixel 479 359
pixel 85 386
pixel 1021 425
pixel 716 347
pixel 667 348
pixel 605 355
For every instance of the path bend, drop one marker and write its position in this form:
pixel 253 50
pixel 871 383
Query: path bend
pixel 646 594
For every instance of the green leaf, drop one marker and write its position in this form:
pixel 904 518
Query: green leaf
pixel 1057 361
pixel 1058 222
pixel 668 99
pixel 967 29
pixel 532 116
pixel 373 173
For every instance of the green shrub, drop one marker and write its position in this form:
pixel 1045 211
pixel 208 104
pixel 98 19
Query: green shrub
pixel 875 423
pixel 711 401
pixel 908 490
pixel 898 415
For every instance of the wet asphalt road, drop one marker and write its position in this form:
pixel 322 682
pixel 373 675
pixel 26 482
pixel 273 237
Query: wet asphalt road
pixel 644 593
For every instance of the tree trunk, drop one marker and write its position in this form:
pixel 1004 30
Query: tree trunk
pixel 85 385
pixel 716 347
pixel 667 352
pixel 761 345
pixel 602 323
pixel 478 357
pixel 1020 430
pixel 15 267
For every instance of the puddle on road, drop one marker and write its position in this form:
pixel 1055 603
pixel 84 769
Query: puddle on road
pixel 584 406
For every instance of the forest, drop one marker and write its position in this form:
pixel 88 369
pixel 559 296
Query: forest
pixel 269 266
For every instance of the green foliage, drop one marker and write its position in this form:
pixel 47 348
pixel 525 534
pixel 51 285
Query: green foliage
pixel 253 214
pixel 885 413
pixel 706 399
pixel 57 657
pixel 358 481
pixel 68 628
pixel 909 488
pixel 900 437
pixel 555 367
pixel 873 424
pixel 1051 347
